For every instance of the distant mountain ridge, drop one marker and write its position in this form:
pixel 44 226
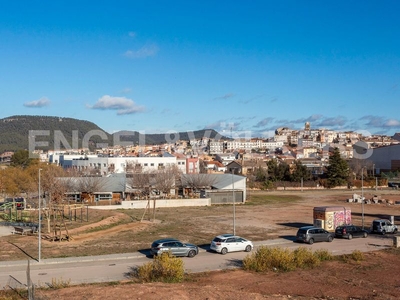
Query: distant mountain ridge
pixel 44 132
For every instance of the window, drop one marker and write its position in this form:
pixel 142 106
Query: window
pixel 103 196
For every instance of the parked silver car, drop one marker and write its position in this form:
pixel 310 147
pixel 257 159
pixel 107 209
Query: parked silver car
pixel 311 234
pixel 383 226
pixel 225 243
pixel 176 247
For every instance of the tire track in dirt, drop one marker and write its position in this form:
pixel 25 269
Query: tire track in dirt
pixel 80 235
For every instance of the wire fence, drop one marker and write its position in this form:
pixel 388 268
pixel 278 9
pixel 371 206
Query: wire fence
pixel 25 291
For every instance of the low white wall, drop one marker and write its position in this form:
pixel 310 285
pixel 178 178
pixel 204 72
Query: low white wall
pixel 137 204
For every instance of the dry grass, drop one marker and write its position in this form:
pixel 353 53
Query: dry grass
pixel 266 215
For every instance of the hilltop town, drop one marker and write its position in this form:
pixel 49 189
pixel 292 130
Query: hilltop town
pixel 309 146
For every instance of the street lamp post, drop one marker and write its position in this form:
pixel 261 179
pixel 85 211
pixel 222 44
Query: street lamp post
pixel 40 221
pixel 362 196
pixel 234 207
pixel 376 179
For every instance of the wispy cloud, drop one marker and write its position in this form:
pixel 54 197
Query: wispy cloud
pixel 42 102
pixel 332 122
pixel 145 51
pixel 264 122
pixel 122 105
pixel 126 91
pixel 380 122
pixel 224 97
pixel 251 99
pixel 312 118
pixel 132 34
pixel 374 121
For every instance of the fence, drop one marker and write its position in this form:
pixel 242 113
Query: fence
pixel 25 291
pixel 225 197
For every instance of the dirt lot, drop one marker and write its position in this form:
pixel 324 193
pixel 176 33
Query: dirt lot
pixel 268 215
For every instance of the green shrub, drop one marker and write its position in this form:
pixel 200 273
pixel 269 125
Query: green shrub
pixel 164 268
pixel 305 258
pixel 269 258
pixel 282 259
pixel 356 256
pixel 323 255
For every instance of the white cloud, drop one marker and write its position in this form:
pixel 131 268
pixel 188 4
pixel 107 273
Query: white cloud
pixel 44 101
pixel 122 105
pixel 392 123
pixel 132 34
pixel 145 51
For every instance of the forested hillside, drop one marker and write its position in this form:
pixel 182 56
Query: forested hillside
pixel 14 133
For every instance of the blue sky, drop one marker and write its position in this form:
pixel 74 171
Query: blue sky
pixel 176 66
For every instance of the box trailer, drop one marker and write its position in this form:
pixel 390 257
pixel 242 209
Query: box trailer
pixel 330 217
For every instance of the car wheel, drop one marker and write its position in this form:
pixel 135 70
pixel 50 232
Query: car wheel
pixel 192 253
pixel 311 241
pixel 248 248
pixel 383 232
pixel 224 251
pixel 395 231
pixel 365 235
pixel 330 239
pixel 350 236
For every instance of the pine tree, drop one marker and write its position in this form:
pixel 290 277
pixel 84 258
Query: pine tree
pixel 300 171
pixel 338 170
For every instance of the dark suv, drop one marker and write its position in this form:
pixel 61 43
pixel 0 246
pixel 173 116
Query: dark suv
pixel 311 234
pixel 350 231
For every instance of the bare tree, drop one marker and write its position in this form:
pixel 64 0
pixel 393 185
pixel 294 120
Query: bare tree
pixel 359 166
pixel 140 183
pixel 165 179
pixel 90 185
pixel 197 182
pixel 133 167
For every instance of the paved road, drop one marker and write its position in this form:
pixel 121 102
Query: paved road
pixel 117 267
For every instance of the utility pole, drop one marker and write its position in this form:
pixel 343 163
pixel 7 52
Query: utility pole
pixel 362 196
pixel 234 206
pixel 40 221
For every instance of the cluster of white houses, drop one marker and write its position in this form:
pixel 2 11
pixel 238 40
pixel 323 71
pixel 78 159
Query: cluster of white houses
pixel 206 155
pixel 212 156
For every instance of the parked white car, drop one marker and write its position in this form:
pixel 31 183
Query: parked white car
pixel 225 243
